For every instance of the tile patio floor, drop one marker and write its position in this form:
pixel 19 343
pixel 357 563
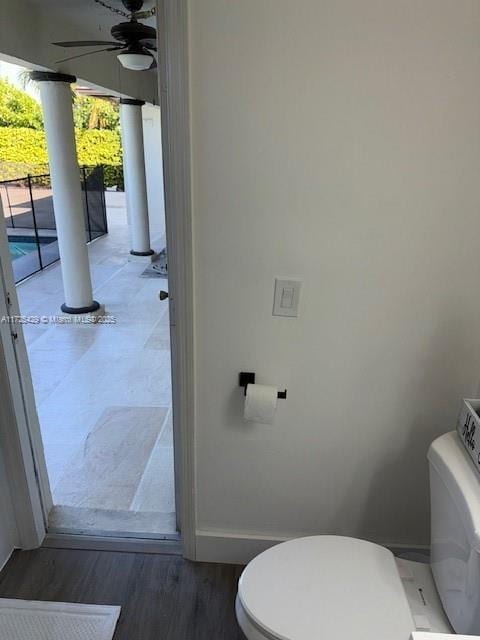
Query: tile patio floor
pixel 103 395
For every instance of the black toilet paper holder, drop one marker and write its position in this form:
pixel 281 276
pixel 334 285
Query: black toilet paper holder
pixel 245 378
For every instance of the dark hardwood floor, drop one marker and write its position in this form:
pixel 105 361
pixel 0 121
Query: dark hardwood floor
pixel 162 597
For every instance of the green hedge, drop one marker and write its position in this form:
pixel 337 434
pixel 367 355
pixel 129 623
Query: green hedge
pixel 113 176
pixel 24 151
pixel 23 145
pixel 98 146
pixel 17 108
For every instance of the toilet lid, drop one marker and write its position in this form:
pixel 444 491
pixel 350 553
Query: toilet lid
pixel 326 587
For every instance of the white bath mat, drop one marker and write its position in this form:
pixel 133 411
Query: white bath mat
pixel 29 620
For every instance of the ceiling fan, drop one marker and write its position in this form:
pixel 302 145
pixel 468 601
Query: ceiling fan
pixel 134 41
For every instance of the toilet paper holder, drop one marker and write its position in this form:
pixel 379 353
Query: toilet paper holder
pixel 245 378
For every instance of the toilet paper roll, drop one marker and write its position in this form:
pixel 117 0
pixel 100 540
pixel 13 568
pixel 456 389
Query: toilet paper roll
pixel 260 403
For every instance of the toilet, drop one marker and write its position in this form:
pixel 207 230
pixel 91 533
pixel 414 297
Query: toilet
pixel 338 588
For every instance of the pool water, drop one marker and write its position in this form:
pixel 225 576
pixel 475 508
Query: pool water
pixel 22 246
pixel 19 249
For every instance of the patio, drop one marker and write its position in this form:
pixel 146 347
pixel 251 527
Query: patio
pixel 103 394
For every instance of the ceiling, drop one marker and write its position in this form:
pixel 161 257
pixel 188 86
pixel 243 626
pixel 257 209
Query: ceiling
pixel 28 27
pixel 89 15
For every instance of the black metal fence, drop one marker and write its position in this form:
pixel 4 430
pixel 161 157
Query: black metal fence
pixel 30 218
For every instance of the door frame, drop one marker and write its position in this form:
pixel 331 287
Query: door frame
pixel 173 85
pixel 19 426
pixel 25 458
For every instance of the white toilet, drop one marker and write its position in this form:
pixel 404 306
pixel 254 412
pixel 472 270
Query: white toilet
pixel 336 588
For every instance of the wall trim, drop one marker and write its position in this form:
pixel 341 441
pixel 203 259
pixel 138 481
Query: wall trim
pixel 234 547
pixel 173 82
pixel 239 547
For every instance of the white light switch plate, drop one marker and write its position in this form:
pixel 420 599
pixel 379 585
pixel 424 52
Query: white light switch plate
pixel 287 297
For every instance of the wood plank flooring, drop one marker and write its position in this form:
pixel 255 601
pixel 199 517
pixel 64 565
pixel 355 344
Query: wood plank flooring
pixel 162 597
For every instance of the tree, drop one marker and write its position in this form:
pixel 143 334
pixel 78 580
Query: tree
pixel 95 113
pixel 23 147
pixel 18 109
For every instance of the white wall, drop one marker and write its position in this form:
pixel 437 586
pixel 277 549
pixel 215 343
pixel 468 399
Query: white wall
pixel 336 141
pixel 152 140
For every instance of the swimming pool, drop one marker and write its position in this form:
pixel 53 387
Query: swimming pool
pixel 20 246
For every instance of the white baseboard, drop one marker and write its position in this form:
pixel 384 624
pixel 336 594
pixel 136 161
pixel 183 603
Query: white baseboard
pixel 227 547
pixel 232 548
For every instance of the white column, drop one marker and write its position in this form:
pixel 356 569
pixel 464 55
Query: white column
pixel 67 192
pixel 134 176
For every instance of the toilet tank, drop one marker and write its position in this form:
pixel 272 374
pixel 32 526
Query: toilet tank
pixel 455 532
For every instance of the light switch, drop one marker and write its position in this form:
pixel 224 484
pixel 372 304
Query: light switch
pixel 286 299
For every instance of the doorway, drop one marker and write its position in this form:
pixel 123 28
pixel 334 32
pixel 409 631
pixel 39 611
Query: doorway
pixel 102 390
pixel 103 396
pixel 21 436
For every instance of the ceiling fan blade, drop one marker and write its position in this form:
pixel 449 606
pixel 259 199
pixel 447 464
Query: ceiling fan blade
pixel 149 44
pixel 84 43
pixel 89 53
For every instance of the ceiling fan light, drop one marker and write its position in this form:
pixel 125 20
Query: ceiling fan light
pixel 135 61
